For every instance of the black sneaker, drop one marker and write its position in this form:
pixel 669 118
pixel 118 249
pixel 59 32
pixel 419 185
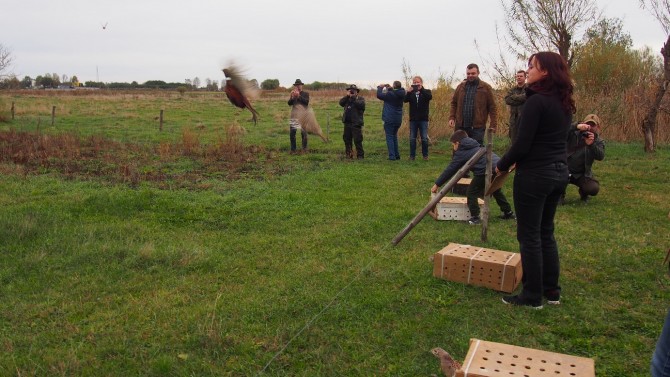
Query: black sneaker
pixel 508 216
pixel 475 220
pixel 553 297
pixel 518 301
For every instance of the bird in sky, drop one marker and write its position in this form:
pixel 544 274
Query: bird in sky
pixel 104 26
pixel 238 90
pixel 448 365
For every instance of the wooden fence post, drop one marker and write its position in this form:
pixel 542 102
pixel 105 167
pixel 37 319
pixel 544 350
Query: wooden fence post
pixel 53 115
pixel 160 125
pixel 12 110
pixel 486 213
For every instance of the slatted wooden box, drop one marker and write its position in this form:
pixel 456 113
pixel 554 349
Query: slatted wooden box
pixel 490 359
pixel 453 208
pixel 495 269
pixel 461 187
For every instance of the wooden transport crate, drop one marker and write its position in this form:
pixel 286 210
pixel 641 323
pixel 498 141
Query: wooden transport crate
pixel 461 187
pixel 453 208
pixel 495 269
pixel 490 359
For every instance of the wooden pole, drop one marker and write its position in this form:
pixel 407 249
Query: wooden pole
pixel 487 199
pixel 160 123
pixel 12 110
pixel 436 199
pixel 328 126
pixel 53 115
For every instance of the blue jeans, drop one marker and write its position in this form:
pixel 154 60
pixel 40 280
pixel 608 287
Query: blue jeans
pixel 660 362
pixel 536 196
pixel 475 133
pixel 391 131
pixel 414 127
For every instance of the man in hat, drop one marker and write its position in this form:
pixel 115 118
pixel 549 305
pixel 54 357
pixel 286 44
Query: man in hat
pixel 584 147
pixel 299 101
pixel 354 107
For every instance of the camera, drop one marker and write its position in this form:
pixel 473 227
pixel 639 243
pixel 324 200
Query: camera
pixel 415 86
pixel 352 91
pixel 585 134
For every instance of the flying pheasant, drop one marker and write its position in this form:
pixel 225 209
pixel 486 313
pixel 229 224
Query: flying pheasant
pixel 448 365
pixel 238 90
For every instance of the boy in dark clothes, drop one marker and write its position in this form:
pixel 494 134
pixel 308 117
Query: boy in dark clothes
pixel 464 149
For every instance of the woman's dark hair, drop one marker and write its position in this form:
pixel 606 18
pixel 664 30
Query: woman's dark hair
pixel 558 79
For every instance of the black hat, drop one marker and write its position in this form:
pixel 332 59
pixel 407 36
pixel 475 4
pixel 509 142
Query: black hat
pixel 353 87
pixel 297 82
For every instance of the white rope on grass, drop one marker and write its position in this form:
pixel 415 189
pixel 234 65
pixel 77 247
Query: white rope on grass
pixel 317 315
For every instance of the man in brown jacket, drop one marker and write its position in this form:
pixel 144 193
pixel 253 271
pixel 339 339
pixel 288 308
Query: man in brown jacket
pixel 472 104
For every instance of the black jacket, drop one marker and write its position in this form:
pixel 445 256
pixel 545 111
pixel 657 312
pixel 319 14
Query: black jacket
pixel 354 107
pixel 581 156
pixel 466 149
pixel 418 108
pixel 541 136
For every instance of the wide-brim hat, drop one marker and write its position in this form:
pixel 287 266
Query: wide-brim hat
pixel 298 82
pixel 353 87
pixel 592 118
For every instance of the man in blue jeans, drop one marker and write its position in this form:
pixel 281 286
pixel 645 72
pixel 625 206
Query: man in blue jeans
pixel 660 362
pixel 392 115
pixel 418 98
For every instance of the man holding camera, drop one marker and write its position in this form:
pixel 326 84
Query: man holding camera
pixel 418 98
pixel 299 101
pixel 354 107
pixel 584 147
pixel 392 115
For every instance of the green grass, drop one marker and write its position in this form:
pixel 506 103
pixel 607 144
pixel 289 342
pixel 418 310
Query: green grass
pixel 292 273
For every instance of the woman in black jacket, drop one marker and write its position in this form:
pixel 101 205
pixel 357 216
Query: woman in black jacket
pixel 539 152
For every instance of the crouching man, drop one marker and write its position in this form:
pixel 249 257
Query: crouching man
pixel 584 147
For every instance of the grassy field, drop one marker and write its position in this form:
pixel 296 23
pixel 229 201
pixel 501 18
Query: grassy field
pixel 134 253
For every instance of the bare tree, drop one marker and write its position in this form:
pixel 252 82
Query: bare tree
pixel 538 25
pixel 5 60
pixel 660 9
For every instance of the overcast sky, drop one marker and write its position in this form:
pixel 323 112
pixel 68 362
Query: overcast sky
pixel 351 41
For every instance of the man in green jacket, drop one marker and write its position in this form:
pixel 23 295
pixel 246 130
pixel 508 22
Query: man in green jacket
pixel 515 98
pixel 584 147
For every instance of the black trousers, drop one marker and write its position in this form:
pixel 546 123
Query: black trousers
pixel 536 196
pixel 587 186
pixel 476 190
pixel 353 134
pixel 303 136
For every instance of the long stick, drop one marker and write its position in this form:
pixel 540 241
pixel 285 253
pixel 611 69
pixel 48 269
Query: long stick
pixel 487 199
pixel 440 194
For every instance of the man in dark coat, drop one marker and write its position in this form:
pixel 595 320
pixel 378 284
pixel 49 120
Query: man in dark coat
pixel 584 147
pixel 418 99
pixel 354 107
pixel 392 115
pixel 299 101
